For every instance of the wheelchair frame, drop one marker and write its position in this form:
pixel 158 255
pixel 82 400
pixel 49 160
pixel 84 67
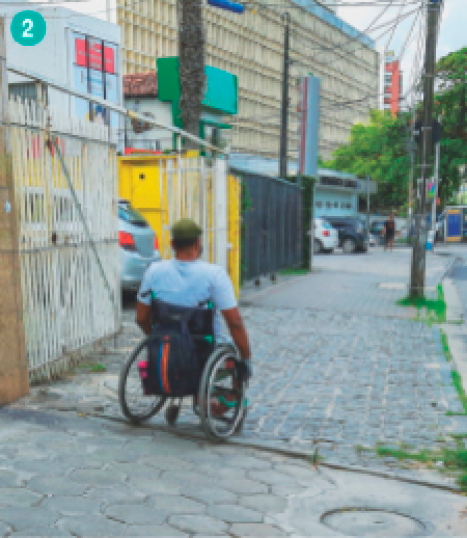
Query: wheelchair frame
pixel 232 420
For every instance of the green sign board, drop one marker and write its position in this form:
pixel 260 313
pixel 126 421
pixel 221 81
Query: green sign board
pixel 221 88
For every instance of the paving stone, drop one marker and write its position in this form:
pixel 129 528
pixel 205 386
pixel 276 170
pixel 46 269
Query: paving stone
pixel 255 529
pixel 69 506
pixel 245 486
pixel 197 524
pixel 9 479
pixel 209 495
pixel 97 477
pixel 166 462
pixel 92 526
pixel 18 497
pixel 136 514
pixel 135 471
pixel 272 478
pixel 164 531
pixel 106 496
pixel 232 513
pixel 264 503
pixel 21 519
pixel 176 504
pixel 4 529
pixel 55 485
pixel 43 532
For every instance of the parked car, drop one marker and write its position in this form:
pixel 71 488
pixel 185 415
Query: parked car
pixel 138 246
pixel 376 231
pixel 352 233
pixel 325 237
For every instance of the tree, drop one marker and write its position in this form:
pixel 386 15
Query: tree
pixel 379 150
pixel 451 103
pixel 191 58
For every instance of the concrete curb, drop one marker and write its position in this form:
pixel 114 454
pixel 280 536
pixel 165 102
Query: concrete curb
pixel 455 328
pixel 189 433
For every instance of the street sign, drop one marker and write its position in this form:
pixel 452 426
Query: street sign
pixel 229 6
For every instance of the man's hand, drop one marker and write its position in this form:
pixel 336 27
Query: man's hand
pixel 143 317
pixel 237 330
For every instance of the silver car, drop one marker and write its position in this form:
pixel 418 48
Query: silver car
pixel 138 246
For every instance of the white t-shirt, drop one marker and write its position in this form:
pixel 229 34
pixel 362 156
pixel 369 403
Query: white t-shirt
pixel 188 284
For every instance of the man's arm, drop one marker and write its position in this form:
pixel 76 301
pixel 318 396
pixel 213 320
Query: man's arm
pixel 237 330
pixel 143 317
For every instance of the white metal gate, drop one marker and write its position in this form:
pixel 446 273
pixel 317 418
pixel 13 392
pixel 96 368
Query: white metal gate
pixel 66 304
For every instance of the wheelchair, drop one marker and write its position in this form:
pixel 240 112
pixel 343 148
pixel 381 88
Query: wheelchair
pixel 222 382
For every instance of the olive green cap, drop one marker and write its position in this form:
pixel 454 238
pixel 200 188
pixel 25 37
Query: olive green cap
pixel 185 229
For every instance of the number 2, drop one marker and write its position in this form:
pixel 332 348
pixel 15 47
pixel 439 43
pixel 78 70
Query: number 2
pixel 28 29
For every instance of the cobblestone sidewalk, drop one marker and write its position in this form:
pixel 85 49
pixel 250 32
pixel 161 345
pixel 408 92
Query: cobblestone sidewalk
pixel 69 476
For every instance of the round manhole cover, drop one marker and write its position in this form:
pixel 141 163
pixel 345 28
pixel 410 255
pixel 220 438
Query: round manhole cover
pixel 372 522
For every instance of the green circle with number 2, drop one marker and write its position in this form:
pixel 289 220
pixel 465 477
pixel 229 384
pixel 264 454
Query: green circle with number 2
pixel 28 28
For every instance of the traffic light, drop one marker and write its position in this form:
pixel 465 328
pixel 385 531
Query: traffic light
pixel 437 132
pixel 229 6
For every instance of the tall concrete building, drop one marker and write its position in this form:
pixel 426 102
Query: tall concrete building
pixel 250 46
pixel 390 82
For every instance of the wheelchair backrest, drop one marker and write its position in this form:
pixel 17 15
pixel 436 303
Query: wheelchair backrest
pixel 200 319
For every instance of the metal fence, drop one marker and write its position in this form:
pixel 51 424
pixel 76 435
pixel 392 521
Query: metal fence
pixel 271 225
pixel 65 302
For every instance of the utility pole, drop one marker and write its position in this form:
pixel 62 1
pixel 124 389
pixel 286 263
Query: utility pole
pixel 411 175
pixel 417 280
pixel 285 101
pixel 436 180
pixel 368 204
pixel 14 381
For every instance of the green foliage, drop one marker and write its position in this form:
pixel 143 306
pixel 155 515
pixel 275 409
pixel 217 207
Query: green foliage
pixel 380 148
pixel 429 310
pixel 457 380
pixel 450 103
pixel 453 460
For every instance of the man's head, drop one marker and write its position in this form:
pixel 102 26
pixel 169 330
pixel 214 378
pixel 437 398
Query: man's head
pixel 186 239
pixel 391 216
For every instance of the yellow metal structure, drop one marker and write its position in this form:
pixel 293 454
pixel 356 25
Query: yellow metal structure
pixel 164 188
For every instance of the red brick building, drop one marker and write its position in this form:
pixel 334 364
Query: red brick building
pixel 392 84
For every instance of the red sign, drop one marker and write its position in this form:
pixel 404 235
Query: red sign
pixel 95 54
pixel 109 60
pixel 81 58
pixel 131 151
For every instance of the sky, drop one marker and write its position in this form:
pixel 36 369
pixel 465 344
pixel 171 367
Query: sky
pixel 453 35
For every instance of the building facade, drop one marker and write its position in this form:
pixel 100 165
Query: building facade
pixel 79 51
pixel 390 83
pixel 250 46
pixel 158 95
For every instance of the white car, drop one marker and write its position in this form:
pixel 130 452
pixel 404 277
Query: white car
pixel 326 238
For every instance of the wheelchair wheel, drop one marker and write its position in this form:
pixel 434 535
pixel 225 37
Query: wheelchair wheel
pixel 134 404
pixel 221 395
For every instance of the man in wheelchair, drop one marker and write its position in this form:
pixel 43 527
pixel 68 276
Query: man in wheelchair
pixel 187 281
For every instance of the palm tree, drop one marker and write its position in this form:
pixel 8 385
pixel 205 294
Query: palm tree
pixel 191 58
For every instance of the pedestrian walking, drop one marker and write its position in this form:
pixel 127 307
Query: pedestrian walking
pixel 389 232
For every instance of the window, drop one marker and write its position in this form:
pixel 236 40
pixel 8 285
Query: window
pixel 319 204
pixel 25 91
pixel 336 205
pixel 349 205
pixel 343 205
pixel 328 205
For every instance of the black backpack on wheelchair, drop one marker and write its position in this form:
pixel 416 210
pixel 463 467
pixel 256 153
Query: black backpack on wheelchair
pixel 180 343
